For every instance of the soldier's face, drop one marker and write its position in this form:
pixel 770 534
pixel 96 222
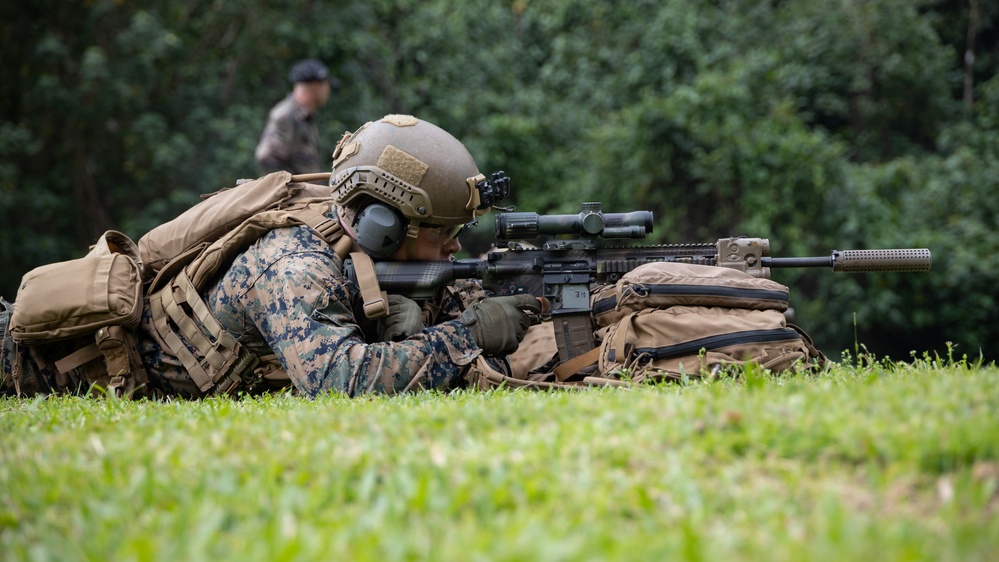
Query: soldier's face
pixel 322 93
pixel 430 245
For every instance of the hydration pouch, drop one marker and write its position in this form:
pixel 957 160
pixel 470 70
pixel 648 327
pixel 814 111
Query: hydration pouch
pixel 67 299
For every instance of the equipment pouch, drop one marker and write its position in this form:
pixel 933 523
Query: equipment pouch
pixel 666 284
pixel 693 340
pixel 669 320
pixel 67 299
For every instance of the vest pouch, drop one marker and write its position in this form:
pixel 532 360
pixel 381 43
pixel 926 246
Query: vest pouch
pixel 72 298
pixel 691 341
pixel 665 284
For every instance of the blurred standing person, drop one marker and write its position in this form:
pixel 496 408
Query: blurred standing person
pixel 290 140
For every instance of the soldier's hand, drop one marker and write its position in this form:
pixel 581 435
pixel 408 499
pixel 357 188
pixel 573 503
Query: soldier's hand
pixel 499 323
pixel 404 319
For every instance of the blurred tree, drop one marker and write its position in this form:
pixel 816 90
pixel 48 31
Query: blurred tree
pixel 817 123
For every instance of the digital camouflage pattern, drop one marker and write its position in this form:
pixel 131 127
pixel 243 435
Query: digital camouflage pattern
pixel 288 294
pixel 290 140
pixel 7 351
pixel 286 298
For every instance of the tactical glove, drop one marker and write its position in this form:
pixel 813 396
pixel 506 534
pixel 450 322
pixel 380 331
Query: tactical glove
pixel 499 323
pixel 404 319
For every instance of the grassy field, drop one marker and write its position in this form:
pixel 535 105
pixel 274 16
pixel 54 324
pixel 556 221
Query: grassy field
pixel 876 462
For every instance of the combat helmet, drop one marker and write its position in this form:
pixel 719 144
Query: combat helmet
pixel 394 175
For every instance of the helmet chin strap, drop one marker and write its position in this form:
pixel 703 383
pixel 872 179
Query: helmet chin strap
pixel 409 242
pixel 410 248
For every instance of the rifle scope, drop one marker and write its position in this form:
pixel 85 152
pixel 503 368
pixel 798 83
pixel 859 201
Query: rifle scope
pixel 590 222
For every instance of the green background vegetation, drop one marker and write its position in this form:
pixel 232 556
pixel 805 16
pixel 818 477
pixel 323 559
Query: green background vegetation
pixel 821 124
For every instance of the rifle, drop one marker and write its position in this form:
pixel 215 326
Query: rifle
pixel 565 271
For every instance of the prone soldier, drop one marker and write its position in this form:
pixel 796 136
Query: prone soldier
pixel 402 189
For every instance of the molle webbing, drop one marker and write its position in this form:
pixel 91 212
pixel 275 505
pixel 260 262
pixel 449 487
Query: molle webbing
pixel 214 358
pixel 121 372
pixel 221 358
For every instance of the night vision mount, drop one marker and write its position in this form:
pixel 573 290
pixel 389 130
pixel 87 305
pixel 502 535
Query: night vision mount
pixel 493 190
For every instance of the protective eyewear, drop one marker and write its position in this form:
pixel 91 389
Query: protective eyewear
pixel 442 234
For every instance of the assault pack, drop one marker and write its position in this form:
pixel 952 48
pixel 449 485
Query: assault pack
pixel 72 314
pixel 674 320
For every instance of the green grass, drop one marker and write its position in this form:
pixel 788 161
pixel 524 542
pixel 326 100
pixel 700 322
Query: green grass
pixel 877 462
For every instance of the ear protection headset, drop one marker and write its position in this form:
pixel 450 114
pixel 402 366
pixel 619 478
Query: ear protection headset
pixel 380 230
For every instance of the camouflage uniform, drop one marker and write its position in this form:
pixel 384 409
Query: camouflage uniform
pixel 287 295
pixel 7 350
pixel 290 140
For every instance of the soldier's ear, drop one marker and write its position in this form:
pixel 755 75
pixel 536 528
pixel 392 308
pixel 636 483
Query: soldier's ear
pixel 379 230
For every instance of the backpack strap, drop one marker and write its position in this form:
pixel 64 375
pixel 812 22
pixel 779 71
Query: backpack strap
pixel 573 366
pixel 313 177
pixel 375 300
pixel 78 358
pixel 315 217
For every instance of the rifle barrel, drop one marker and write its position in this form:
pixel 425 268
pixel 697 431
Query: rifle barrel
pixel 856 261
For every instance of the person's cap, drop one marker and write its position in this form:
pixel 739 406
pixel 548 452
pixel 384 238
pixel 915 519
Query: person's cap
pixel 308 70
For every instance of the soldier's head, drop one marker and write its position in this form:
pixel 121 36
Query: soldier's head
pixel 311 82
pixel 405 188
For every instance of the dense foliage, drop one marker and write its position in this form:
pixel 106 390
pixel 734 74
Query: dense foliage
pixel 821 124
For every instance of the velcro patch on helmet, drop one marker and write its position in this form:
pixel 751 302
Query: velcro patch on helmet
pixel 402 165
pixel 400 120
pixel 344 149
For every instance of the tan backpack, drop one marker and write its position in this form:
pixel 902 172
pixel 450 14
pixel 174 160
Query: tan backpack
pixel 673 320
pixel 84 309
pixel 100 296
pixel 274 199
